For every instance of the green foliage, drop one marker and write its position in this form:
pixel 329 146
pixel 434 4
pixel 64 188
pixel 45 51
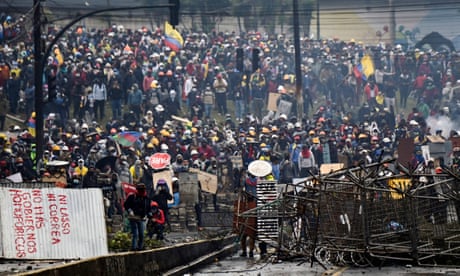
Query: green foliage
pixel 152 243
pixel 120 242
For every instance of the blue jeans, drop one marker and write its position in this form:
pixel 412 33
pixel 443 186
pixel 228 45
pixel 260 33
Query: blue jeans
pixel 116 109
pixel 239 109
pixel 207 110
pixel 137 232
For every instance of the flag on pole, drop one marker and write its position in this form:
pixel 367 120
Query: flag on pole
pixel 367 66
pixel 173 38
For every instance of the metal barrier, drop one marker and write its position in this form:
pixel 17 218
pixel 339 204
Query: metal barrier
pixel 364 216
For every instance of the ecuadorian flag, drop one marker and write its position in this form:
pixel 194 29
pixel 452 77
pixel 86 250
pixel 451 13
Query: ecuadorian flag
pixel 367 65
pixel 364 68
pixel 31 126
pixel 173 39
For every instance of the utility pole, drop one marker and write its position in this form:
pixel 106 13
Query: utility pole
pixel 42 53
pixel 38 79
pixel 318 36
pixel 298 70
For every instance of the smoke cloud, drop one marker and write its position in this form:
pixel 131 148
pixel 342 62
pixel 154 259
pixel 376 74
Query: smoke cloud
pixel 443 123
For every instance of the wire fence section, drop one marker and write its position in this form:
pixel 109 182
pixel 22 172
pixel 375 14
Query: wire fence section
pixel 367 215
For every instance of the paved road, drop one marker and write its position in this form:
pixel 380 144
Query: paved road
pixel 235 265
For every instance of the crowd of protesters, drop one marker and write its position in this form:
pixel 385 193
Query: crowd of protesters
pixel 180 101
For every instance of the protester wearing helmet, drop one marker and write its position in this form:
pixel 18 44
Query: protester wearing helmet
pixel 156 222
pixel 161 196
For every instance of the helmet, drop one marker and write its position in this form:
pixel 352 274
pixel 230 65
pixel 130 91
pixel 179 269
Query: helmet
pixel 159 108
pixel 56 148
pixel 164 147
pixel 154 204
pixel 161 181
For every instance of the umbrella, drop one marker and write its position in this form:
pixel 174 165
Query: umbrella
pixel 127 138
pixel 108 160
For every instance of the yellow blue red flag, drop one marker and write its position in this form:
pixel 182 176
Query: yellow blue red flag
pixel 367 66
pixel 173 38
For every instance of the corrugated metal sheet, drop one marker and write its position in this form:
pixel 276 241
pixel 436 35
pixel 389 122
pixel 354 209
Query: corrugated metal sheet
pixel 52 223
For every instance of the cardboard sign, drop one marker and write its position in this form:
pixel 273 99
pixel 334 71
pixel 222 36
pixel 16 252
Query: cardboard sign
pixel 272 99
pixel 237 161
pixel 284 107
pixel 59 180
pixel 208 181
pixel 159 160
pixel 15 178
pixel 328 168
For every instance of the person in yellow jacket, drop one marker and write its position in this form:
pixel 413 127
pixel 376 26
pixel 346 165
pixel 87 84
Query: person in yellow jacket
pixel 257 91
pixel 137 171
pixel 81 170
pixel 264 153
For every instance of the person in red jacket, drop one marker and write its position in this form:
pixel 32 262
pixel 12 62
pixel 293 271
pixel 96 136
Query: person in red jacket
pixel 371 91
pixel 156 224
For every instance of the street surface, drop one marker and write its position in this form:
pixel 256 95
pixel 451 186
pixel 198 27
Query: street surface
pixel 235 265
